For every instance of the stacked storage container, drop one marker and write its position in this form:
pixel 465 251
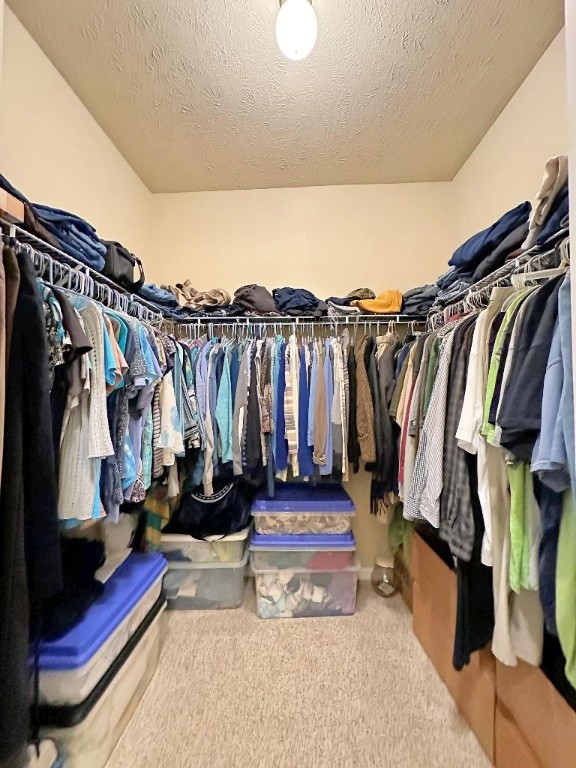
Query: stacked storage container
pixel 92 678
pixel 205 574
pixel 303 552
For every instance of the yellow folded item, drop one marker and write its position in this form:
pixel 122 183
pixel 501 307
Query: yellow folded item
pixel 388 302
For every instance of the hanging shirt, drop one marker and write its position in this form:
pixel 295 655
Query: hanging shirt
pixel 240 408
pixel 519 412
pixel 281 442
pixel 292 373
pixel 469 429
pixel 85 434
pixel 426 487
pixel 224 410
pixel 326 469
pixel 305 459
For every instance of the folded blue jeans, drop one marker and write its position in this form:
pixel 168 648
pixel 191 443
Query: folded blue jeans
pixel 153 292
pixel 60 218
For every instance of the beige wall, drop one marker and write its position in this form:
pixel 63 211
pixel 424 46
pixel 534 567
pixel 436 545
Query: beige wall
pixel 52 149
pixel 327 239
pixel 507 166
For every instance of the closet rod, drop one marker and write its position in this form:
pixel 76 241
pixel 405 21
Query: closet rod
pixel 531 260
pixel 50 260
pixel 296 322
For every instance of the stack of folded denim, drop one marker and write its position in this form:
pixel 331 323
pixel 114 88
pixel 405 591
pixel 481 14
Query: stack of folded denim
pixel 418 301
pixel 158 295
pixel 74 235
pixel 449 294
pixel 163 301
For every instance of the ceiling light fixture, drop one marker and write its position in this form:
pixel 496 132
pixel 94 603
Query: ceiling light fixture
pixel 296 28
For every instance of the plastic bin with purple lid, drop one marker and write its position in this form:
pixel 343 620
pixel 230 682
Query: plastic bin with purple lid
pixel 303 508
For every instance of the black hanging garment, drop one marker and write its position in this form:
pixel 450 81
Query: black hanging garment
pixel 30 564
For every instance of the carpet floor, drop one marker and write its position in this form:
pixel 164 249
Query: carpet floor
pixel 234 691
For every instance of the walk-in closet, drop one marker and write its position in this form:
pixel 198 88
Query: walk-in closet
pixel 287 442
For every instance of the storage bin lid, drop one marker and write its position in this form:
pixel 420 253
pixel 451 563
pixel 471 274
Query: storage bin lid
pixel 122 592
pixel 211 565
pixel 284 542
pixel 70 715
pixel 185 537
pixel 324 498
pixel 353 568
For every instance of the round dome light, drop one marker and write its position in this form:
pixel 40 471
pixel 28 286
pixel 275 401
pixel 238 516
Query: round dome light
pixel 296 29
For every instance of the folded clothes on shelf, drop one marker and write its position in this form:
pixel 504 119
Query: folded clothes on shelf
pixel 31 223
pixel 357 294
pixel 480 245
pixel 159 295
pixel 418 301
pixel 254 298
pixel 553 187
pixel 510 244
pixel 298 301
pixel 341 310
pixel 188 296
pixel 387 302
pixel 73 234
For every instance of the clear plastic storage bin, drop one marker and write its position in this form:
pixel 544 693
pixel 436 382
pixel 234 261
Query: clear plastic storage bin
pixel 205 586
pixel 299 592
pixel 304 508
pixel 72 665
pixel 87 733
pixel 177 547
pixel 331 552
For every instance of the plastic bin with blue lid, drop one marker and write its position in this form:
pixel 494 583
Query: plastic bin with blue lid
pixel 283 593
pixel 205 586
pixel 299 508
pixel 179 548
pixel 72 665
pixel 86 733
pixel 324 552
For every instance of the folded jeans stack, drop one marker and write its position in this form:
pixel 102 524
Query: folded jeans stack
pixel 74 235
pixel 158 295
pixel 418 301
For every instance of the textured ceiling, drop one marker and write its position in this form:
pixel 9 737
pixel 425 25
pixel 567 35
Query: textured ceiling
pixel 196 95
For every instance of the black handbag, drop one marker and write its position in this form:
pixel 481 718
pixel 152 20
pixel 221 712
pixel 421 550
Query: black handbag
pixel 226 511
pixel 119 266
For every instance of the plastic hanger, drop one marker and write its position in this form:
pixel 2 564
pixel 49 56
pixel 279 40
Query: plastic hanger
pixel 520 280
